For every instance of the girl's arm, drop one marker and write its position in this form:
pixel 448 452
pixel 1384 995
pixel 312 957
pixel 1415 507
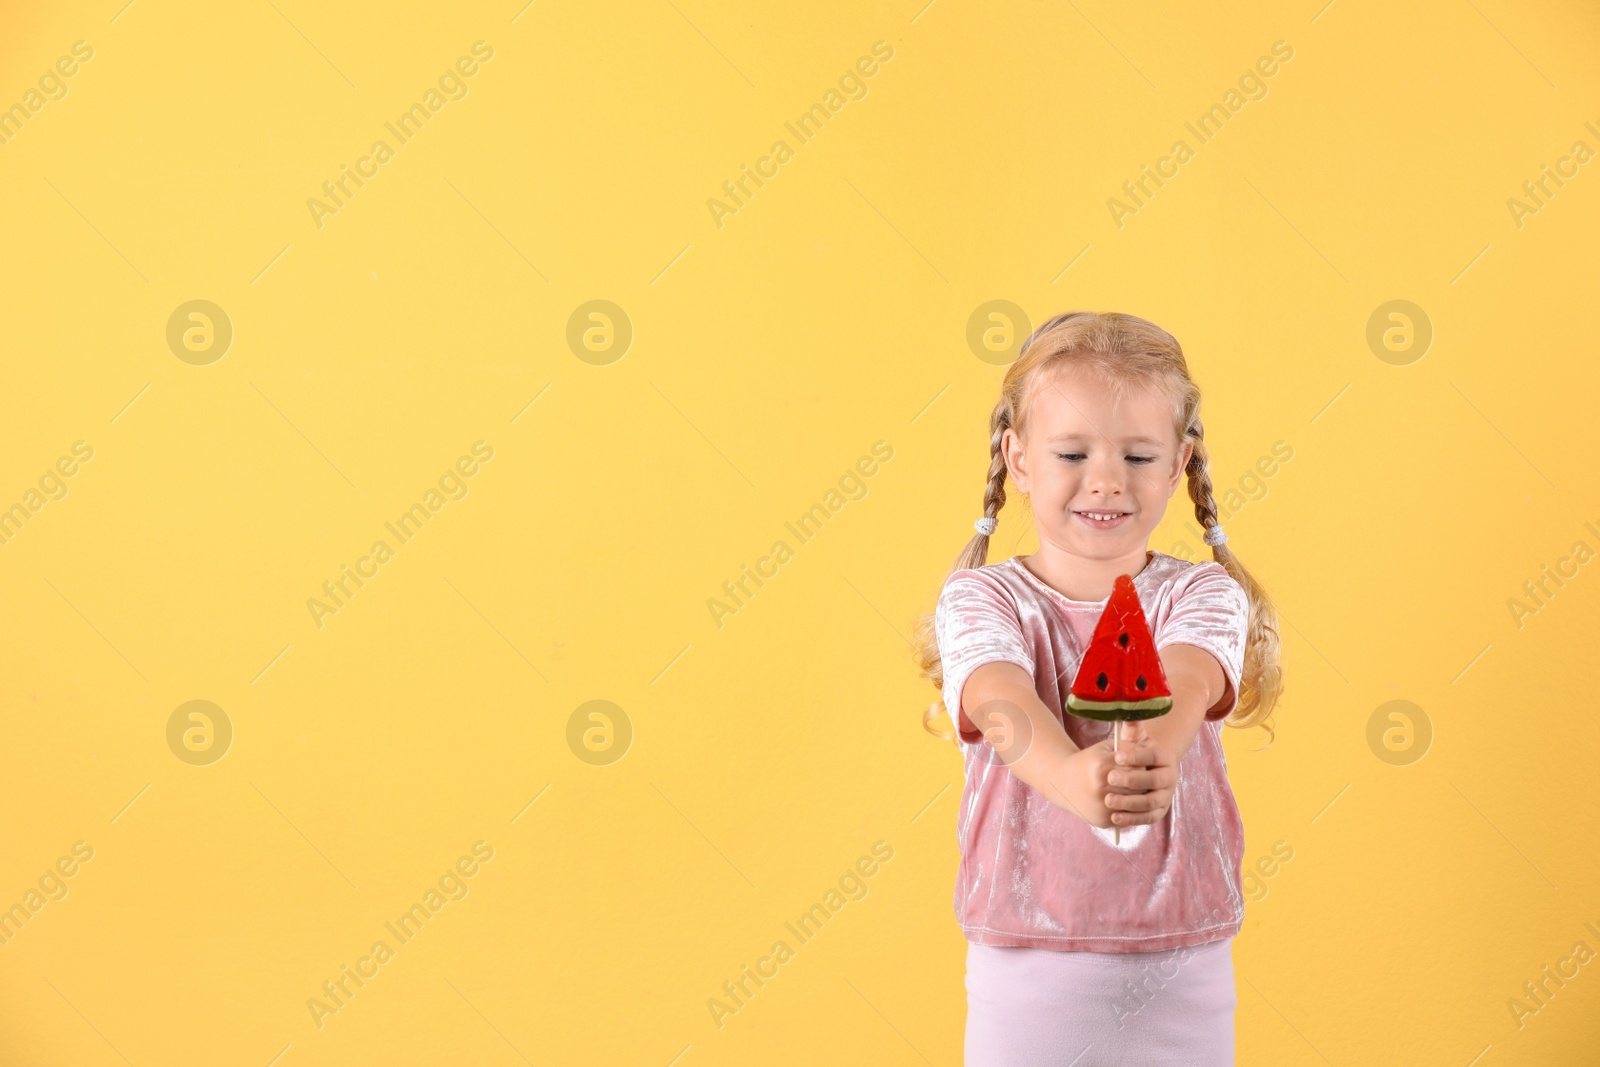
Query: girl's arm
pixel 1198 686
pixel 1002 703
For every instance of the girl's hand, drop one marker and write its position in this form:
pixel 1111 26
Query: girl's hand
pixel 1082 784
pixel 1141 778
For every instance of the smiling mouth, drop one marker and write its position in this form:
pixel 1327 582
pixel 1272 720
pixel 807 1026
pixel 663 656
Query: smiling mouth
pixel 1102 516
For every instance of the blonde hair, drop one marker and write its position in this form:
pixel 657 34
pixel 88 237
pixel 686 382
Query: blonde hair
pixel 1126 352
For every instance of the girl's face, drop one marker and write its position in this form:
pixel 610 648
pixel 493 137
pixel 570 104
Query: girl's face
pixel 1087 454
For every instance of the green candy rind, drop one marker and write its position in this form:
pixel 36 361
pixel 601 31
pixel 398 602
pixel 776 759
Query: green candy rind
pixel 1117 710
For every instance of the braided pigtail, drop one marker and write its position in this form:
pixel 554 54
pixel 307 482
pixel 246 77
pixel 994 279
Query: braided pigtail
pixel 974 555
pixel 1261 682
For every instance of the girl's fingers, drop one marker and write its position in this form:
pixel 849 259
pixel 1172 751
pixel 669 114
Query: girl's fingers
pixel 1139 741
pixel 1128 780
pixel 1135 756
pixel 1149 813
pixel 1143 780
pixel 1137 802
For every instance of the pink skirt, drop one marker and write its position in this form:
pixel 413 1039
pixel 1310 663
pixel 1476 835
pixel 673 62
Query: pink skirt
pixel 1035 1007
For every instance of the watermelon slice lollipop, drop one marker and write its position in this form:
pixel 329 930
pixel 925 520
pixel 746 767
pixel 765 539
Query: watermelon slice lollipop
pixel 1120 676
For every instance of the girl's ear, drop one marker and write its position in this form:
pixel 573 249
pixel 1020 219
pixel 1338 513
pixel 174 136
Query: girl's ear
pixel 1184 455
pixel 1016 460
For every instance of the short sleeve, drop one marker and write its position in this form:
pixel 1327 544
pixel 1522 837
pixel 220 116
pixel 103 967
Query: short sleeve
pixel 1211 611
pixel 976 622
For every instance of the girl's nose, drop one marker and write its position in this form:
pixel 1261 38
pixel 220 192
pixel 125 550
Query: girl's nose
pixel 1108 478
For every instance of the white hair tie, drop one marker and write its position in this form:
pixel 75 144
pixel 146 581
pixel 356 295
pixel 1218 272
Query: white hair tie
pixel 1214 535
pixel 986 526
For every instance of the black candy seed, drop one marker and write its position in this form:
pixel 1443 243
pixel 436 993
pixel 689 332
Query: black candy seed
pixel 1139 682
pixel 1122 639
pixel 1101 681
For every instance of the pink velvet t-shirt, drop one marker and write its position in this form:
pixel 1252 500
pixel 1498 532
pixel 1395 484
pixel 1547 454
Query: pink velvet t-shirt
pixel 1035 875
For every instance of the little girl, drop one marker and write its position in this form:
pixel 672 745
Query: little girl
pixel 1084 950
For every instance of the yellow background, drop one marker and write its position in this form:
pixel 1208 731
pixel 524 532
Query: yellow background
pixel 768 355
